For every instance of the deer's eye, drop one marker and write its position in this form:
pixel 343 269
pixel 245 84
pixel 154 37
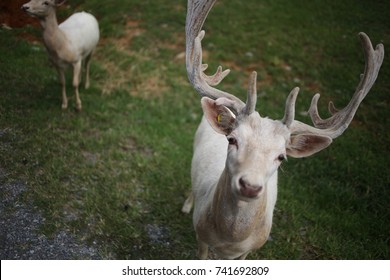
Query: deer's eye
pixel 232 141
pixel 46 3
pixel 282 157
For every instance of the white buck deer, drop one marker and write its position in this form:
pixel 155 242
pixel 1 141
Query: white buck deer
pixel 69 43
pixel 237 152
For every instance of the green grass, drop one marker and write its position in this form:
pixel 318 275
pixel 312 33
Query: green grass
pixel 121 166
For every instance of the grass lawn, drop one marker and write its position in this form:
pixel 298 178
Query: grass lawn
pixel 117 173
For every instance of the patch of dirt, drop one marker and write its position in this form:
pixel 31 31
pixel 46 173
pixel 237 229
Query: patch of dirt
pixel 157 234
pixel 12 16
pixel 130 80
pixel 131 144
pixel 151 86
pixel 132 30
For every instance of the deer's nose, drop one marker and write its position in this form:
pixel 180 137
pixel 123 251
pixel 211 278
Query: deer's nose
pixel 249 190
pixel 25 7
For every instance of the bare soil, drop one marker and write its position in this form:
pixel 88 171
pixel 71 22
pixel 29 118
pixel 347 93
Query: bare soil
pixel 12 16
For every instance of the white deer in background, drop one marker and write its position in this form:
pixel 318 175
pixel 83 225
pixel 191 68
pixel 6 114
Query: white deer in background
pixel 69 43
pixel 237 152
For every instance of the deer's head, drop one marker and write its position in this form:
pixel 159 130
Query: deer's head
pixel 256 145
pixel 41 8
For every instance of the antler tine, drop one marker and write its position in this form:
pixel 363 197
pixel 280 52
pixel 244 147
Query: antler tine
pixel 197 12
pixel 335 125
pixel 289 113
pixel 250 105
pixel 215 79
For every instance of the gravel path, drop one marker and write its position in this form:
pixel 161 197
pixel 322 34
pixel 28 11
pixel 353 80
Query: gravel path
pixel 20 237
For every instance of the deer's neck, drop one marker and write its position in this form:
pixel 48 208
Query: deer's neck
pixel 233 218
pixel 53 37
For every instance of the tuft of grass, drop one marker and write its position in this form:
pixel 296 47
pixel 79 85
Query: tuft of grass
pixel 117 174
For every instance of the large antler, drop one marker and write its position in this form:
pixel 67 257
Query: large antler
pixel 335 125
pixel 197 12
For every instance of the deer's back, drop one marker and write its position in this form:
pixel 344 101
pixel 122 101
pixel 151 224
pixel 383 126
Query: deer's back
pixel 82 29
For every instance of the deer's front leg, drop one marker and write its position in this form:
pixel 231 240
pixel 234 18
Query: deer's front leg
pixel 188 204
pixel 76 82
pixel 203 250
pixel 61 77
pixel 243 257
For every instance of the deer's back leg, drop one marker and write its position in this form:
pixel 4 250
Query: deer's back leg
pixel 87 67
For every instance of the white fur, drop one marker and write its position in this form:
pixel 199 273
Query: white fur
pixel 82 30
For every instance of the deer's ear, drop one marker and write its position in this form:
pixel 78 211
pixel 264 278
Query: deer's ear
pixel 221 119
pixel 304 145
